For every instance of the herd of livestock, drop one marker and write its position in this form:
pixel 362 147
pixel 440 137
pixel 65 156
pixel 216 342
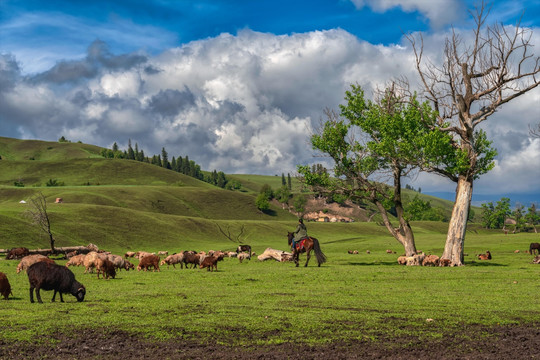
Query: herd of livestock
pixel 44 274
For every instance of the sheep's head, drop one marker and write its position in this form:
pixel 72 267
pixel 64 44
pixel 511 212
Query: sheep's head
pixel 78 290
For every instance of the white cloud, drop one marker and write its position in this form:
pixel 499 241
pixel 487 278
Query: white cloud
pixel 439 12
pixel 244 104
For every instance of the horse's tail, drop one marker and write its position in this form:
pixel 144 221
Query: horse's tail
pixel 321 258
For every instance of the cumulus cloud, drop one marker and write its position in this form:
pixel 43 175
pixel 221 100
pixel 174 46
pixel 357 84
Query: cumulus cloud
pixel 439 12
pixel 239 104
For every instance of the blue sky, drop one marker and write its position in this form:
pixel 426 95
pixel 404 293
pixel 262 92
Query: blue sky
pixel 236 85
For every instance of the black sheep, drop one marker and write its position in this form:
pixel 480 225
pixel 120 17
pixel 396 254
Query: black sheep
pixel 46 276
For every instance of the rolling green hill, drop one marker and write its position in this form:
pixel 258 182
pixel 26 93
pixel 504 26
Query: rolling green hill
pixel 124 204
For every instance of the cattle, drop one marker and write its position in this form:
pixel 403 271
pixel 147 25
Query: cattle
pixel 105 267
pixel 46 276
pixel 149 261
pixel 5 287
pixel 17 253
pixel 27 261
pixel 210 262
pixel 486 256
pixel 534 247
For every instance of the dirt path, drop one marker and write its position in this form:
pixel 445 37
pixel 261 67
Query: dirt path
pixel 505 342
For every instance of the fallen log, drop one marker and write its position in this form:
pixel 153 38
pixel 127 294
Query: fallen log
pixel 60 250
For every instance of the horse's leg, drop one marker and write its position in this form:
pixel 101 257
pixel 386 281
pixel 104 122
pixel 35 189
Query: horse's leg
pixel 296 257
pixel 308 255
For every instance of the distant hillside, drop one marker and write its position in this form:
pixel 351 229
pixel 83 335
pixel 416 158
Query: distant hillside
pixel 15 149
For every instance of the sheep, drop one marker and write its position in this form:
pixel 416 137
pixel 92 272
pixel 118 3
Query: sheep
pixel 445 262
pixel 31 259
pixel 190 257
pixel 118 261
pixel 105 267
pixel 5 287
pixel 210 262
pixel 129 254
pixel 76 260
pixel 402 260
pixel 129 265
pixel 242 248
pixel 174 259
pixel 46 276
pixel 164 253
pixel 140 254
pixel 17 253
pixel 415 260
pixel 90 260
pixel 486 256
pixel 148 261
pixel 431 260
pixel 242 256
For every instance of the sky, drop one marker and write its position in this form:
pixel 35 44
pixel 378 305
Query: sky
pixel 238 86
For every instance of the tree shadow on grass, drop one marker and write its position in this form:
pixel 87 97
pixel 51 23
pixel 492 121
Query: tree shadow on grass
pixel 483 264
pixel 384 263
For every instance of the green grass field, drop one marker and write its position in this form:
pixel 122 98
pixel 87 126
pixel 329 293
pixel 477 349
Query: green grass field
pixel 350 297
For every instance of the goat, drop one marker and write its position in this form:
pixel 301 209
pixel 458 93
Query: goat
pixel 5 288
pixel 46 276
pixel 149 261
pixel 27 261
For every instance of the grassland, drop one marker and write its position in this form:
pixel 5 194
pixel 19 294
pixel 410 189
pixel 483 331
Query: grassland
pixel 365 298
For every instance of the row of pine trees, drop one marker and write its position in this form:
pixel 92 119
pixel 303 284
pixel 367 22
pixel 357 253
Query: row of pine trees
pixel 180 164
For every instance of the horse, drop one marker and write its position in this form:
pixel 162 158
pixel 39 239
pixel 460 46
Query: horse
pixel 533 247
pixel 310 243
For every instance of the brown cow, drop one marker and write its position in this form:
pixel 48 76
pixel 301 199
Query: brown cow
pixel 149 261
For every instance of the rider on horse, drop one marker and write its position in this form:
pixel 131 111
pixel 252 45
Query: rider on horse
pixel 300 233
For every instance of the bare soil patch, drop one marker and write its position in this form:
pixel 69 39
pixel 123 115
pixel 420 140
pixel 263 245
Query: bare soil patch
pixel 504 342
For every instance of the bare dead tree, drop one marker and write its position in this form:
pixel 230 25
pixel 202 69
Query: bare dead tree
pixel 535 131
pixel 40 217
pixel 475 79
pixel 231 237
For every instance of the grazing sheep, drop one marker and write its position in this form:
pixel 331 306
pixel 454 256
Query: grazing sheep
pixel 46 276
pixel 129 254
pixel 431 260
pixel 90 260
pixel 390 252
pixel 536 259
pixel 129 265
pixel 210 262
pixel 140 254
pixel 174 259
pixel 76 260
pixel 486 256
pixel 190 257
pixel 445 262
pixel 5 288
pixel 402 260
pixel 17 253
pixel 164 253
pixel 105 267
pixel 231 254
pixel 31 259
pixel 416 260
pixel 149 261
pixel 118 262
pixel 242 256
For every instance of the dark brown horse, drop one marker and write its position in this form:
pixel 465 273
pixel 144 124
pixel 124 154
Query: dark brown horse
pixel 309 244
pixel 534 247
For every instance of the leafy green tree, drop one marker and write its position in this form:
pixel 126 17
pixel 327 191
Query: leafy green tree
pixel 299 203
pixel 532 217
pixel 283 194
pixel 519 217
pixel 419 209
pixel 267 191
pixel 262 203
pixel 387 138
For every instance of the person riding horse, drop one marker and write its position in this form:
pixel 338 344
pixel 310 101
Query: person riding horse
pixel 299 234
